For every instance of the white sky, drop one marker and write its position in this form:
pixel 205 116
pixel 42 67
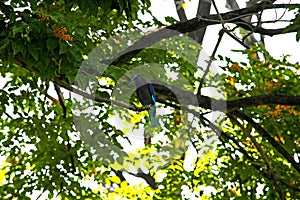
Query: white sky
pixel 276 45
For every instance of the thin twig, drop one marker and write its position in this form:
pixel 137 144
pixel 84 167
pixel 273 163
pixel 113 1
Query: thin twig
pixel 258 24
pixel 64 116
pixel 263 156
pixel 218 13
pixel 221 33
pixel 236 39
pixel 268 137
pixel 61 100
pixel 228 138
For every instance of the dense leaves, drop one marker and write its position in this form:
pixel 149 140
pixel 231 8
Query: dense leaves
pixel 72 128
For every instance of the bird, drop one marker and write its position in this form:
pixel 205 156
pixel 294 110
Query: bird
pixel 145 94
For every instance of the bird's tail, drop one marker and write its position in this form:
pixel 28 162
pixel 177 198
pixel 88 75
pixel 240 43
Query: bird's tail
pixel 152 113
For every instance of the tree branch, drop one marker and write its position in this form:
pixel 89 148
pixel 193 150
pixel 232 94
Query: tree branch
pixel 263 100
pixel 180 11
pixel 239 148
pixel 64 116
pixel 221 33
pixel 222 105
pixel 167 94
pixel 212 57
pixel 202 10
pixel 271 140
pixel 198 23
pixel 263 156
pixel 203 101
pixel 140 174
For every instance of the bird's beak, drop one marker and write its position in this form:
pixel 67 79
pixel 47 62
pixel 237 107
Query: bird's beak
pixel 133 79
pixel 131 82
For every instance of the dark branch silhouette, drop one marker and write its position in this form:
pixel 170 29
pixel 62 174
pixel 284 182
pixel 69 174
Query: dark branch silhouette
pixel 197 23
pixel 271 140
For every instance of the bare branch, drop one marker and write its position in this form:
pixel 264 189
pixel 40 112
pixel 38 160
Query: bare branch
pixel 199 22
pixel 212 57
pixel 147 177
pixel 180 10
pixel 202 10
pixel 166 94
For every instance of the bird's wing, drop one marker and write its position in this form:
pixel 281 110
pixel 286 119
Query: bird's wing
pixel 151 90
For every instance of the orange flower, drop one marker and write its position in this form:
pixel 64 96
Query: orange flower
pixel 43 17
pixel 235 67
pixel 61 33
pixel 280 108
pixel 230 80
pixel 253 53
pixel 279 138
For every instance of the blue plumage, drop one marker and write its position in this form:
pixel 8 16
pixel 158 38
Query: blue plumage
pixel 145 93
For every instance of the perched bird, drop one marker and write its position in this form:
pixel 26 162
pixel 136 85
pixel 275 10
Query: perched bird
pixel 145 93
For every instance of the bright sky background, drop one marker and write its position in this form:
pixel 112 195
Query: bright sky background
pixel 277 45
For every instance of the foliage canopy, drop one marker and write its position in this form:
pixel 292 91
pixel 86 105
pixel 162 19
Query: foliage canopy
pixel 244 143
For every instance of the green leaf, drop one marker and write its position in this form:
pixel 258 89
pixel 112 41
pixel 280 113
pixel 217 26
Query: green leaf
pixel 63 47
pixel 45 59
pixel 115 72
pixel 4 43
pixel 68 5
pixel 34 51
pixel 33 5
pixel 18 47
pixel 102 94
pixel 289 143
pixel 171 20
pixel 90 6
pixel 105 4
pixel 17 29
pixel 51 43
pixel 83 6
pixel 120 160
pixel 93 6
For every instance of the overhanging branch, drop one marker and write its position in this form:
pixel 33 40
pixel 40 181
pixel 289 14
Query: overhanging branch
pixel 271 140
pixel 203 101
pixel 197 23
pixel 165 94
